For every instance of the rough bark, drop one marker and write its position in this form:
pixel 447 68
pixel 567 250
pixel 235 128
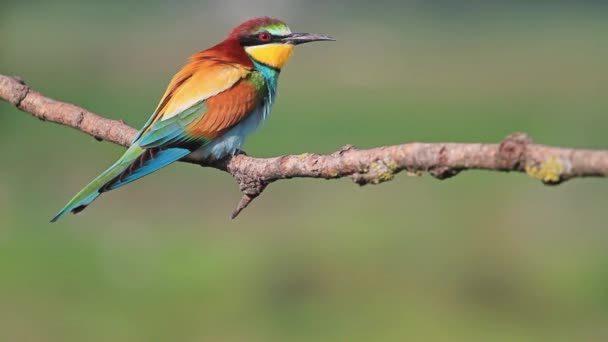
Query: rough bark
pixel 517 152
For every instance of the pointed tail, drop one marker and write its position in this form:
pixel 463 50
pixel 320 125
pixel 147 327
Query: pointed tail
pixel 134 164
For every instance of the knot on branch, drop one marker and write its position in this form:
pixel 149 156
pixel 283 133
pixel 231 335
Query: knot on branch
pixel 250 183
pixel 442 171
pixel 16 91
pixel 251 188
pixel 512 152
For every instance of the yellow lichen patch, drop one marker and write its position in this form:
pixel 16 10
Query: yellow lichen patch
pixel 382 172
pixel 383 176
pixel 392 165
pixel 549 171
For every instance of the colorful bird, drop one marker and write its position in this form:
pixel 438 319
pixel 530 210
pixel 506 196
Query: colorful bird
pixel 216 100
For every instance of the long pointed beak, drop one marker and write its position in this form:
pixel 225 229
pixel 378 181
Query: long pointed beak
pixel 301 38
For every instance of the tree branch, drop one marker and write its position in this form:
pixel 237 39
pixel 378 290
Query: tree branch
pixel 517 152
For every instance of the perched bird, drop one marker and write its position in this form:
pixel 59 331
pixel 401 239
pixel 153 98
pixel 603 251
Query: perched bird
pixel 216 100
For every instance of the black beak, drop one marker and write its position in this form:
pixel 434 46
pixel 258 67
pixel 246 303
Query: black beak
pixel 301 38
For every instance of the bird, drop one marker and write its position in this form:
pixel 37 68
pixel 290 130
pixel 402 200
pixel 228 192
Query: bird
pixel 218 98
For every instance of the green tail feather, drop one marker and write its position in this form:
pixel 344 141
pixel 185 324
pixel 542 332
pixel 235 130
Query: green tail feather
pixel 94 188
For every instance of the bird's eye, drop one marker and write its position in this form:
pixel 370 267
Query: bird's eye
pixel 264 36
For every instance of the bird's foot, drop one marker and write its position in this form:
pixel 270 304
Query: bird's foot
pixel 239 151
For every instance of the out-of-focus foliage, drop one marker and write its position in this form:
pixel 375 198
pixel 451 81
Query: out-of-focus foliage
pixel 479 257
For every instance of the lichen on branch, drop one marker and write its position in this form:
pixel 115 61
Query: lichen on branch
pixel 517 153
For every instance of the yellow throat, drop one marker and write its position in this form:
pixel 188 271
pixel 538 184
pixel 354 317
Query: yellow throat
pixel 274 55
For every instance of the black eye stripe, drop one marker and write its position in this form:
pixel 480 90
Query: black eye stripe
pixel 254 39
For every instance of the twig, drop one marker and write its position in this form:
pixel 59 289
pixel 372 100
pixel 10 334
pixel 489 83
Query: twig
pixel 517 152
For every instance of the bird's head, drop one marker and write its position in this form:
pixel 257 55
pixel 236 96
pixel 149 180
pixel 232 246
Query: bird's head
pixel 269 41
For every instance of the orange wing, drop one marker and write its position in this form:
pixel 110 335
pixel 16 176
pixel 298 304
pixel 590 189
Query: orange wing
pixel 226 109
pixel 200 80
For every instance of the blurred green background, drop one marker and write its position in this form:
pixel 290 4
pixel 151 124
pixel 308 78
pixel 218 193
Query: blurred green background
pixel 483 256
